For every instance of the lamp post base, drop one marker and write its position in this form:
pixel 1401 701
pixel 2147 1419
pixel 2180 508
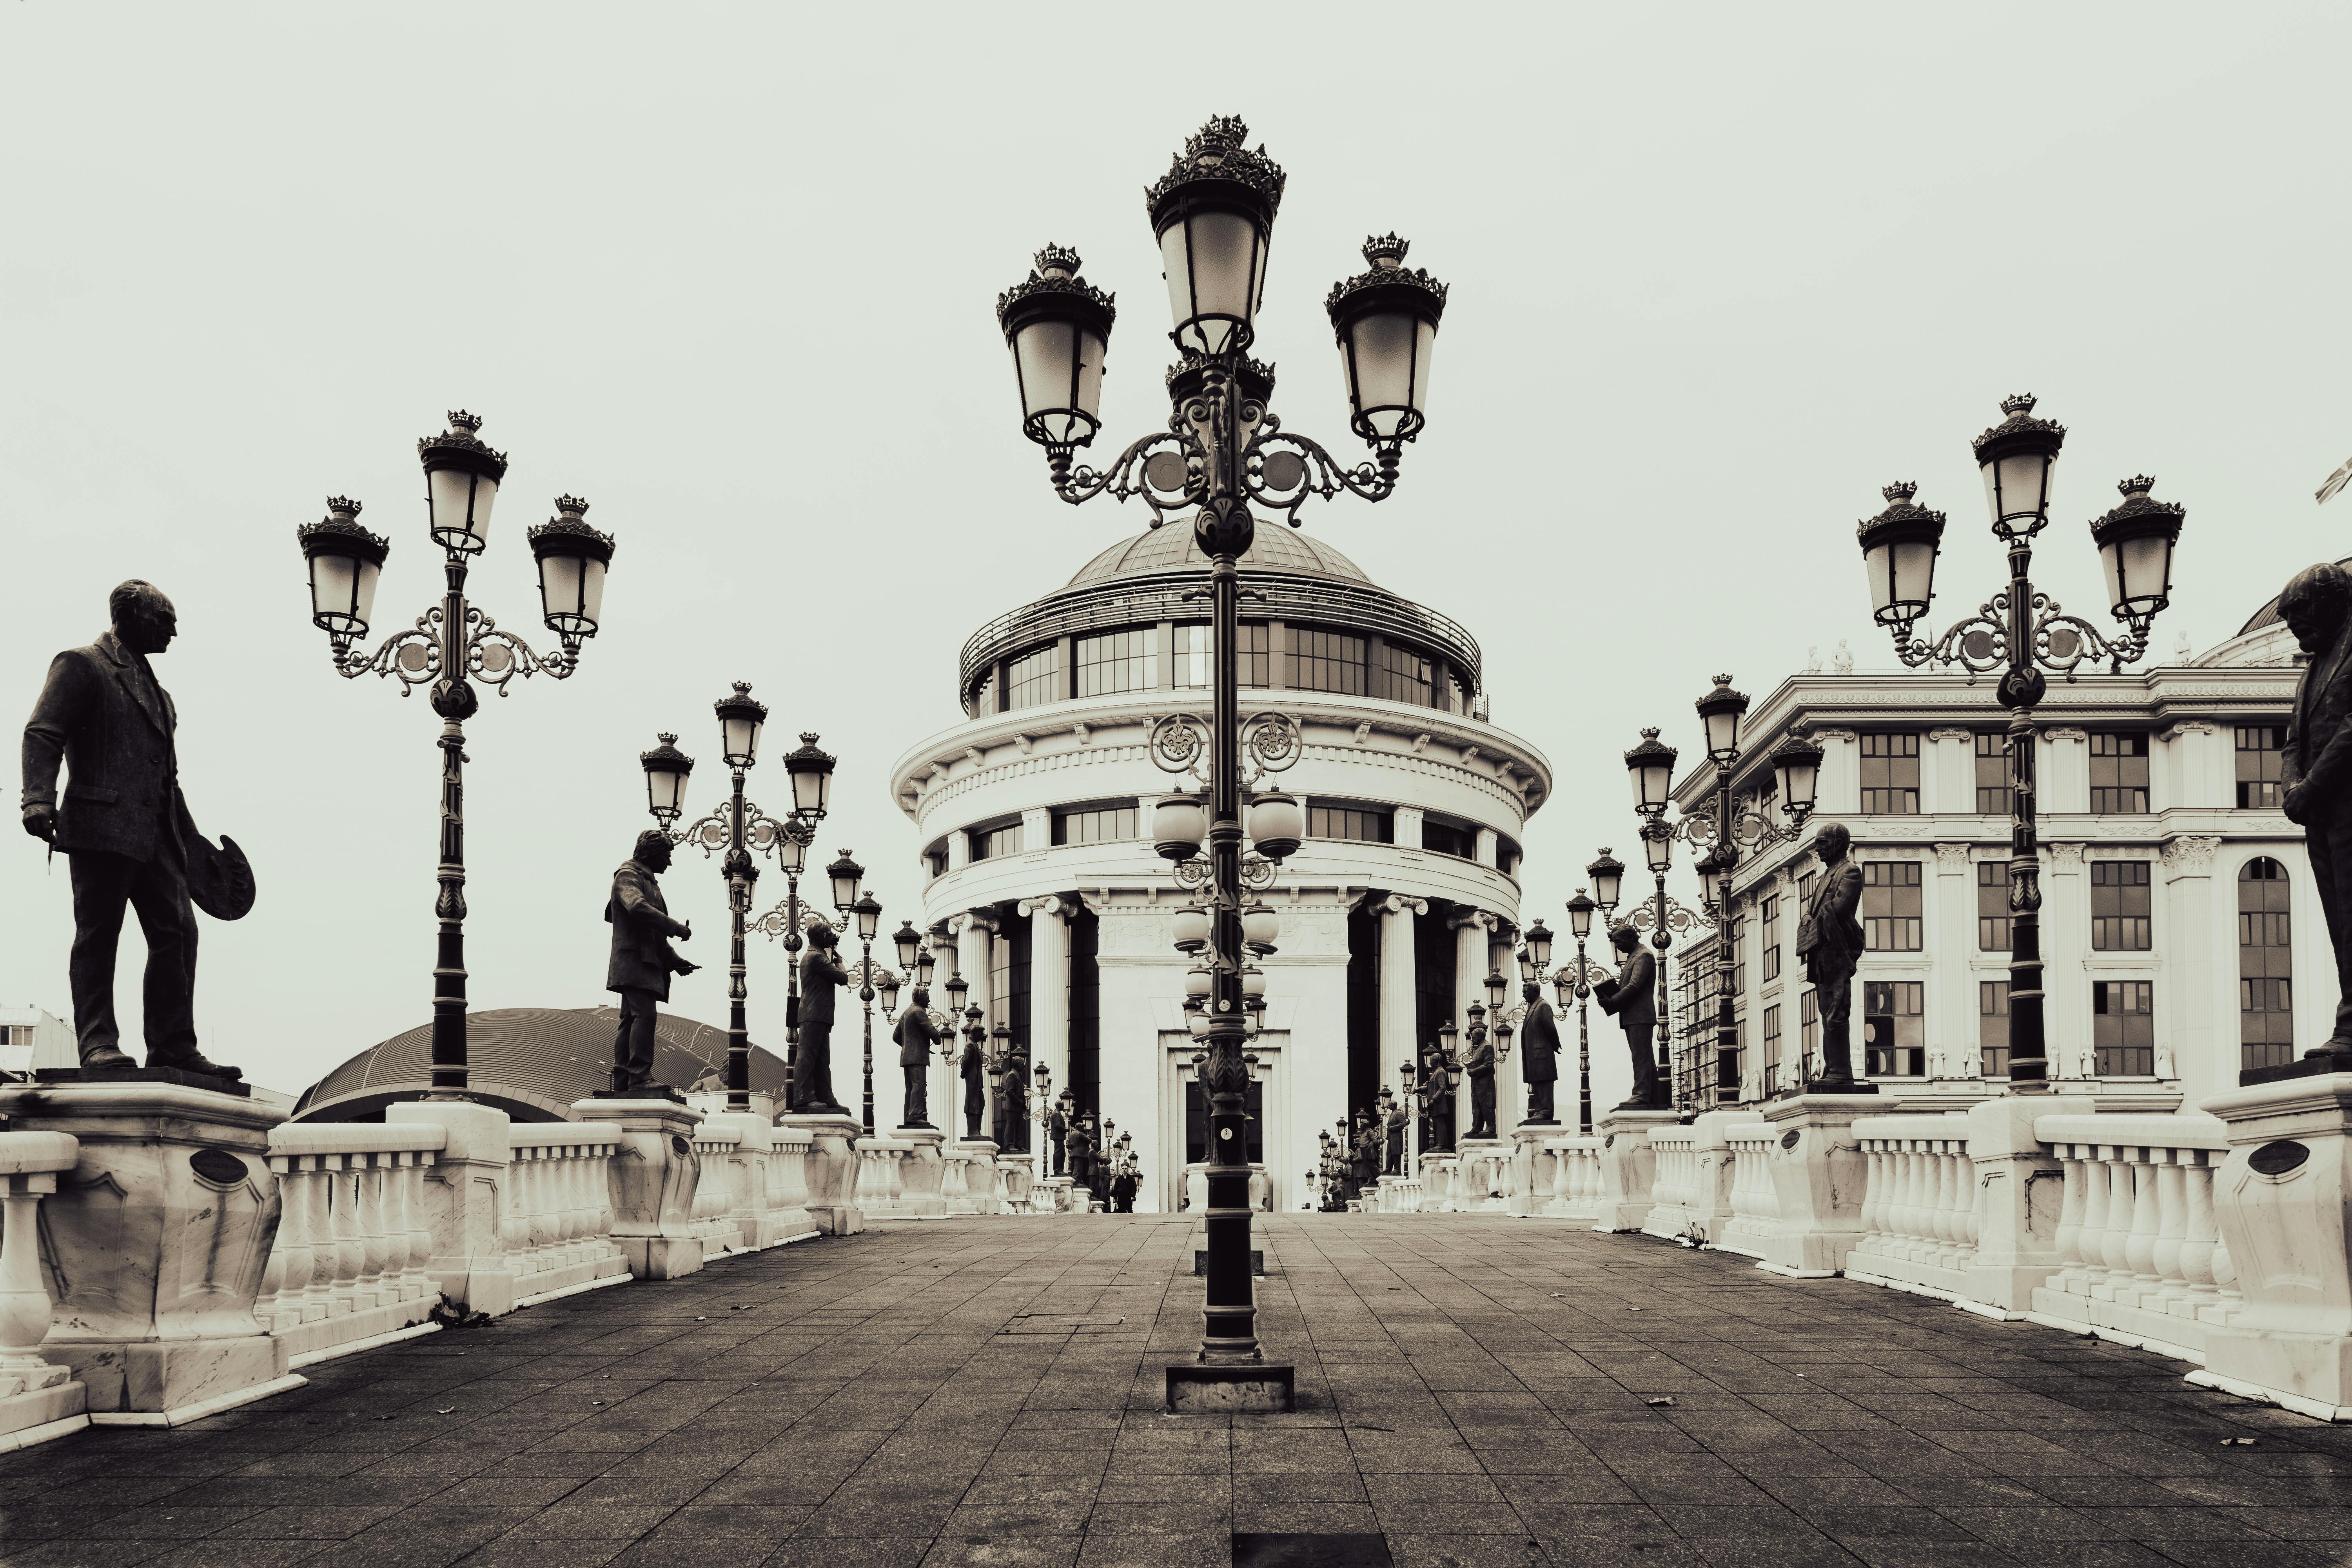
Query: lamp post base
pixel 1250 1387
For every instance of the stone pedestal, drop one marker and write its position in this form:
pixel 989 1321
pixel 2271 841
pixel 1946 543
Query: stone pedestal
pixel 1532 1167
pixel 465 1201
pixel 923 1173
pixel 1627 1166
pixel 1818 1177
pixel 2024 1190
pixel 154 1245
pixel 40 1398
pixel 1261 1190
pixel 971 1185
pixel 1481 1172
pixel 654 1174
pixel 831 1170
pixel 1436 1183
pixel 752 1208
pixel 1052 1195
pixel 2282 1202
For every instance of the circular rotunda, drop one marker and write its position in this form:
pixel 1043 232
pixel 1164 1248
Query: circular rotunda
pixel 1043 889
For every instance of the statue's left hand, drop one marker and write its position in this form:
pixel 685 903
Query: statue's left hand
pixel 2295 802
pixel 41 822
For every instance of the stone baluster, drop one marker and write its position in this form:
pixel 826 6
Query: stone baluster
pixel 39 1399
pixel 2139 1243
pixel 2071 1279
pixel 2198 1236
pixel 287 1281
pixel 2098 1193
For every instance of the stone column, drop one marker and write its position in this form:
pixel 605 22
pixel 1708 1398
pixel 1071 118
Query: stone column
pixel 1399 1021
pixel 1951 905
pixel 2191 1047
pixel 1470 930
pixel 1049 986
pixel 2064 784
pixel 1838 791
pixel 2066 938
pixel 975 935
pixel 1947 772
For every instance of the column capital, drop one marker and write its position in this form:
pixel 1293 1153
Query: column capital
pixel 2065 732
pixel 1399 904
pixel 2189 855
pixel 1062 904
pixel 2187 726
pixel 1950 732
pixel 971 920
pixel 1460 919
pixel 1952 860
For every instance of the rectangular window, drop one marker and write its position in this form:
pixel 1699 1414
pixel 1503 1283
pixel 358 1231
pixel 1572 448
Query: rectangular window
pixel 1196 655
pixel 935 859
pixel 989 843
pixel 1769 927
pixel 1992 1026
pixel 2119 775
pixel 2265 967
pixel 1326 661
pixel 1893 905
pixel 1366 823
pixel 1890 774
pixel 1096 824
pixel 1809 1033
pixel 1894 1029
pixel 1992 906
pixel 1116 661
pixel 2120 899
pixel 1994 797
pixel 1507 857
pixel 2123 1027
pixel 1033 678
pixel 1771 1063
pixel 2258 766
pixel 1446 839
pixel 1740 956
pixel 1406 676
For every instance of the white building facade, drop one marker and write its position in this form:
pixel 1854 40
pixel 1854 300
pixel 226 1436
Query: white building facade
pixel 2182 933
pixel 1040 881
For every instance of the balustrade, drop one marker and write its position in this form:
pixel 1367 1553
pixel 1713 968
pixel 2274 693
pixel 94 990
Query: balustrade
pixel 347 1267
pixel 1755 1195
pixel 559 1216
pixel 1576 1179
pixel 2142 1260
pixel 1919 1218
pixel 717 1145
pixel 1674 1184
pixel 39 1399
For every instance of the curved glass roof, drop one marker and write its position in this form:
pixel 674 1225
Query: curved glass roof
pixel 2268 616
pixel 1173 548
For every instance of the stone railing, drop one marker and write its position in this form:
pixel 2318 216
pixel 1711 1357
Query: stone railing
pixel 1919 1206
pixel 1674 1184
pixel 967 1183
pixel 717 1146
pixel 558 1226
pixel 346 1268
pixel 39 1399
pixel 1576 1180
pixel 2143 1261
pixel 1482 1174
pixel 1437 1173
pixel 881 1176
pixel 1755 1196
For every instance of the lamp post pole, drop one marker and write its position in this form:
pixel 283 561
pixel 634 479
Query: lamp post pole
pixel 448 645
pixel 1222 449
pixel 809 769
pixel 2020 632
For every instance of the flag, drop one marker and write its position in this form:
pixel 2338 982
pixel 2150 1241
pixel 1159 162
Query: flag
pixel 2335 481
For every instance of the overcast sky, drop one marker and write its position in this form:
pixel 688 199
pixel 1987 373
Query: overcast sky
pixel 1719 273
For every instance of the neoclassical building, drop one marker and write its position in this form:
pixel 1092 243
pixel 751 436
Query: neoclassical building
pixel 1034 815
pixel 2183 935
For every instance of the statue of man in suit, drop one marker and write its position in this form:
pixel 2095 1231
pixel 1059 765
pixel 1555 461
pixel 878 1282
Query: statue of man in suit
pixel 1633 999
pixel 2315 763
pixel 1539 1053
pixel 917 1036
pixel 821 973
pixel 974 1068
pixel 123 827
pixel 1478 1063
pixel 1013 1104
pixel 1829 939
pixel 642 959
pixel 1057 1129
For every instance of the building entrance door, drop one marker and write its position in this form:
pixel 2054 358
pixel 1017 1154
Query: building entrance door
pixel 1186 1115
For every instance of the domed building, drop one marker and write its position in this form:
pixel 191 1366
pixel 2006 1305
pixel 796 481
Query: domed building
pixel 533 1063
pixel 1034 815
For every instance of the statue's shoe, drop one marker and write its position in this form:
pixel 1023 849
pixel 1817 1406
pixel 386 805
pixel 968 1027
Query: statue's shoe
pixel 105 1059
pixel 197 1062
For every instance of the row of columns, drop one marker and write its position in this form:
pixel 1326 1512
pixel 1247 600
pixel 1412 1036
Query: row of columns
pixel 1400 1003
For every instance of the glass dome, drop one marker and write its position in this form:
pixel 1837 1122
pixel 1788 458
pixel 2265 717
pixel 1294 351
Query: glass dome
pixel 1173 548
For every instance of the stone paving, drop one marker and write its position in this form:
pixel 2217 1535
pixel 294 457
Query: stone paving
pixel 1478 1392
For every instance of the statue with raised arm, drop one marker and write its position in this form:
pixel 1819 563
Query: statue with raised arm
pixel 2315 763
pixel 104 719
pixel 642 959
pixel 821 973
pixel 1633 999
pixel 1829 940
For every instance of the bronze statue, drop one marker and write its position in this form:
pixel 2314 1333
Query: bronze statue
pixel 2315 763
pixel 821 973
pixel 126 830
pixel 1829 939
pixel 1438 1102
pixel 972 1065
pixel 1478 1063
pixel 1633 999
pixel 1057 1129
pixel 917 1035
pixel 1082 1154
pixel 1013 1104
pixel 642 959
pixel 1538 1055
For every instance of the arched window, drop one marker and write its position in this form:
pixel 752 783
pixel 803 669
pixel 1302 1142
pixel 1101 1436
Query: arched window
pixel 2265 967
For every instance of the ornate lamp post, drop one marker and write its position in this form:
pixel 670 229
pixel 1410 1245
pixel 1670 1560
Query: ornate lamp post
pixel 741 828
pixel 2021 632
pixel 449 644
pixel 850 902
pixel 1577 980
pixel 1222 449
pixel 810 771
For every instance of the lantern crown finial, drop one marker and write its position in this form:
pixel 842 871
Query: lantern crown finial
pixel 461 420
pixel 2137 485
pixel 2020 422
pixel 1057 260
pixel 1899 492
pixel 343 507
pixel 1902 520
pixel 1386 251
pixel 2018 402
pixel 1218 152
pixel 459 448
pixel 571 507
